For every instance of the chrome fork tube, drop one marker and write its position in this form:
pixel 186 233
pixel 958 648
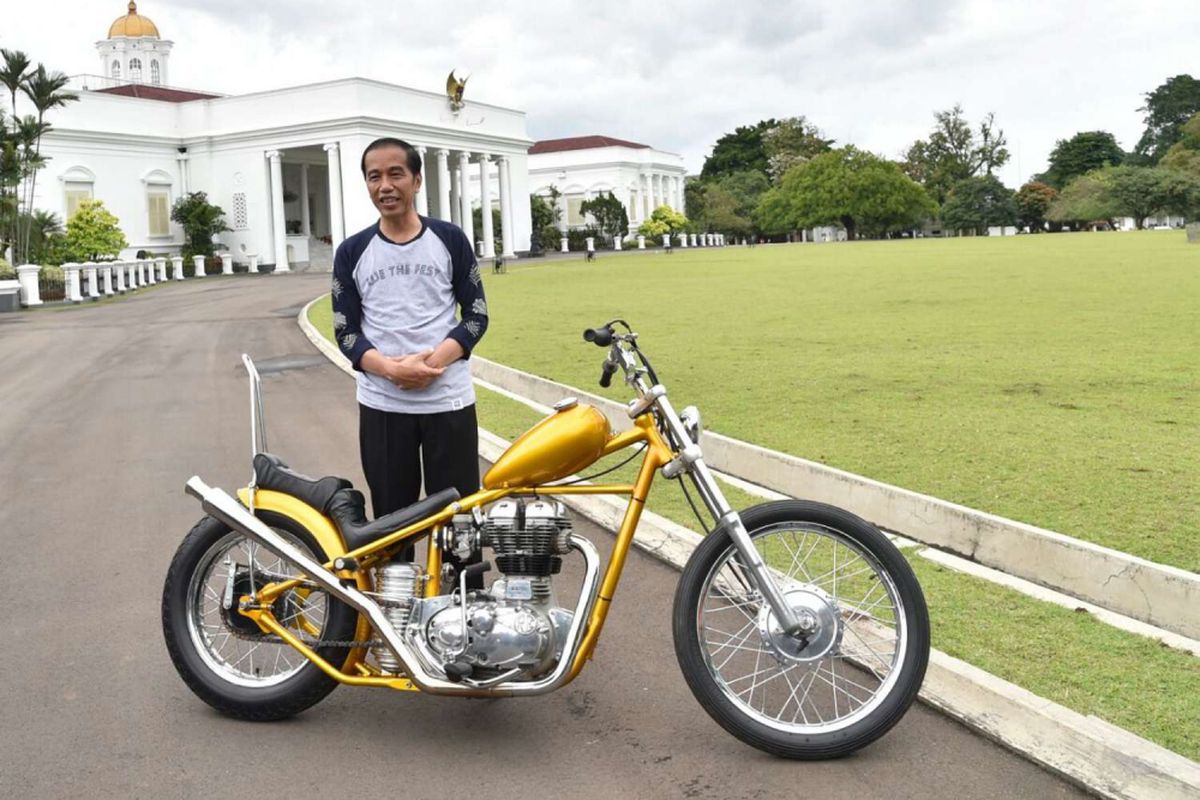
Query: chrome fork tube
pixel 731 521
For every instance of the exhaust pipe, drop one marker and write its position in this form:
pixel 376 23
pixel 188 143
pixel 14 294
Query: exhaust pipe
pixel 221 506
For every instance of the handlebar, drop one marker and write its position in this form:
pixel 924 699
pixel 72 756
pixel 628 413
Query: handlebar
pixel 601 337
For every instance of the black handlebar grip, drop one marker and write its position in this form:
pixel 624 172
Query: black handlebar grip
pixel 607 373
pixel 601 337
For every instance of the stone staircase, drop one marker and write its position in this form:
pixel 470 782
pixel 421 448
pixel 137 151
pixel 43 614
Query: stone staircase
pixel 320 256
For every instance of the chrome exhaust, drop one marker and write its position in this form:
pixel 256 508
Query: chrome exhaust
pixel 229 511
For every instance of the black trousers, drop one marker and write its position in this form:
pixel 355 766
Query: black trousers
pixel 399 449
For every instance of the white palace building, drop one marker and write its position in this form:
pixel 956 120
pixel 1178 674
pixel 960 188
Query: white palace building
pixel 283 164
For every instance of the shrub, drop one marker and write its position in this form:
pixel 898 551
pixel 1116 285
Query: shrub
pixel 7 272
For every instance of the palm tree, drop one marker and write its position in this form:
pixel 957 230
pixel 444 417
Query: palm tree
pixel 13 73
pixel 45 90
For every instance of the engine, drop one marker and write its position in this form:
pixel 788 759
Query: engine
pixel 516 624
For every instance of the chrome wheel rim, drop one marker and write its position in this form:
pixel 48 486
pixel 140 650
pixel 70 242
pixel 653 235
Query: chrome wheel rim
pixel 236 659
pixel 850 661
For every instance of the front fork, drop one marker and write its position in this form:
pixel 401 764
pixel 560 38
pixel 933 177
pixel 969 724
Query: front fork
pixel 691 461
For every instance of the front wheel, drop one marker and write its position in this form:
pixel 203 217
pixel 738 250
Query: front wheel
pixel 838 688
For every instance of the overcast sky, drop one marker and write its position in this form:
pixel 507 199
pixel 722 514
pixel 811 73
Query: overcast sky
pixel 676 75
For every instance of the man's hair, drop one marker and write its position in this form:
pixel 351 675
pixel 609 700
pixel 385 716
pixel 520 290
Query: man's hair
pixel 410 153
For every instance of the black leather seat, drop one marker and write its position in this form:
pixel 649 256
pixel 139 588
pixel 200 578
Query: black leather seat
pixel 345 505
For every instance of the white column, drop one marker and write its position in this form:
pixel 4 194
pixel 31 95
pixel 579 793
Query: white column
pixel 563 245
pixel 253 267
pixel 279 223
pixel 644 190
pixel 162 268
pixel 119 266
pixel 31 294
pixel 683 240
pixel 485 206
pixel 422 194
pixel 108 280
pixel 464 196
pixel 71 273
pixel 305 211
pixel 455 195
pixel 679 194
pixel 666 240
pixel 337 220
pixel 443 171
pixel 507 232
pixel 93 282
pixel 692 237
pixel 182 160
pixel 177 267
pixel 641 242
pixel 562 213
pixel 226 263
pixel 147 272
pixel 131 268
pixel 617 242
pixel 198 267
pixel 656 190
pixel 591 244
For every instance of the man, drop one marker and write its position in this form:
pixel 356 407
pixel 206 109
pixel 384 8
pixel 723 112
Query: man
pixel 395 288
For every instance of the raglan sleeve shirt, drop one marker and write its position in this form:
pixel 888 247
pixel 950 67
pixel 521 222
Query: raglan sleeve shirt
pixel 347 306
pixel 468 292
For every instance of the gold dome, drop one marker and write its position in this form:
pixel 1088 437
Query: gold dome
pixel 133 24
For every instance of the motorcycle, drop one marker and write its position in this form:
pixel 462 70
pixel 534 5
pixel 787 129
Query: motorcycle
pixel 799 627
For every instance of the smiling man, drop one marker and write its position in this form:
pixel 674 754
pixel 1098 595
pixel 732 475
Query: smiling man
pixel 396 285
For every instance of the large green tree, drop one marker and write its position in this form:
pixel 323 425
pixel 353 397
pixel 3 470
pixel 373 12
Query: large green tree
pixel 1140 192
pixel 738 151
pixel 792 141
pixel 545 216
pixel 609 213
pixel 1086 199
pixel 1033 202
pixel 860 191
pixel 728 202
pixel 954 152
pixel 1184 155
pixel 1167 109
pixel 1079 155
pixel 978 203
pixel 93 233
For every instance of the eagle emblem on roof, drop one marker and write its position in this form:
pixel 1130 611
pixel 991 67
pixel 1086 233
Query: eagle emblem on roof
pixel 454 91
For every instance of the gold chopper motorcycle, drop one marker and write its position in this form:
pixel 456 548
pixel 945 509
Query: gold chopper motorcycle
pixel 798 626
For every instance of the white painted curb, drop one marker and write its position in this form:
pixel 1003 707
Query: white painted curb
pixel 1088 751
pixel 1161 595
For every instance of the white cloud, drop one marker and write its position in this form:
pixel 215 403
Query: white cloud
pixel 677 75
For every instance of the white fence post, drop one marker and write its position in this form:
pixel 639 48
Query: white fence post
pixel 27 275
pixel 198 263
pixel 563 245
pixel 93 283
pixel 161 263
pixel 641 242
pixel 226 264
pixel 71 275
pixel 616 243
pixel 107 271
pixel 148 267
pixel 177 267
pixel 683 240
pixel 253 263
pixel 591 244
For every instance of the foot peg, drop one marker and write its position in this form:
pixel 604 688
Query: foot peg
pixel 457 670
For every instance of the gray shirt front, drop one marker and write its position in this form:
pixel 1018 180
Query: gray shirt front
pixel 400 298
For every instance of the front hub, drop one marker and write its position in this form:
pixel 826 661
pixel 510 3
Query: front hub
pixel 822 624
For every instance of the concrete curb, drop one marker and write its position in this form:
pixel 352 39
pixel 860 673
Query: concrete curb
pixel 1161 595
pixel 1086 750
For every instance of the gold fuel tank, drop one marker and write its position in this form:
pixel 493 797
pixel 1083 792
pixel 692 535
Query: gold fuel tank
pixel 561 444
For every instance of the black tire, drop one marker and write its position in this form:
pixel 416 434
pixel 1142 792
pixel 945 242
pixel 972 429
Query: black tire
pixel 304 687
pixel 721 696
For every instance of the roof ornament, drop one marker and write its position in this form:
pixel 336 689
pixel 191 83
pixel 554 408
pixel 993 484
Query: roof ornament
pixel 132 7
pixel 454 91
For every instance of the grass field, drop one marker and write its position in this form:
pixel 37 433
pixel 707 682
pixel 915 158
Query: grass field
pixel 1050 379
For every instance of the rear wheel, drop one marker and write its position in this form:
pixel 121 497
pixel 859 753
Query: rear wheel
pixel 841 686
pixel 224 657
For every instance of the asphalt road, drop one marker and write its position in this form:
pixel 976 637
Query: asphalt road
pixel 106 410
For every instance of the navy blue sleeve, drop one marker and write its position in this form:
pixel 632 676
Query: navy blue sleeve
pixel 347 303
pixel 468 288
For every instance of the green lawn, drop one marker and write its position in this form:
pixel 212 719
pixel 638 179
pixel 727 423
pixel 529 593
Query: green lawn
pixel 1050 379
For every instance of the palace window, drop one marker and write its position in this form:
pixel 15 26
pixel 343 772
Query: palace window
pixel 116 69
pixel 135 69
pixel 158 204
pixel 74 193
pixel 155 75
pixel 575 216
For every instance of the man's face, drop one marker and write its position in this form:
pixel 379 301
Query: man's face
pixel 390 183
